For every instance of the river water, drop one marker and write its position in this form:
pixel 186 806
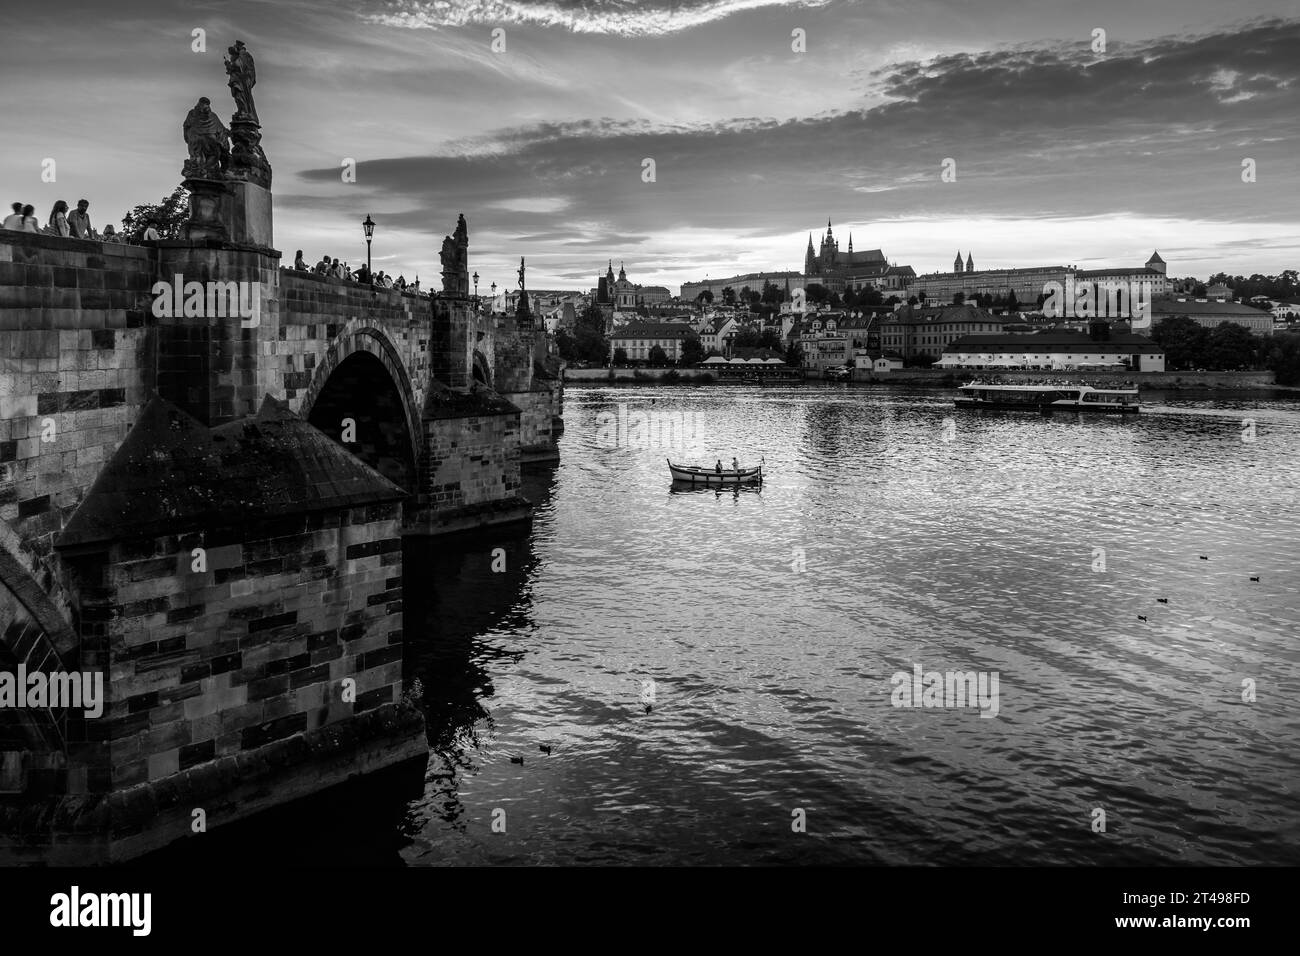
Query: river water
pixel 764 628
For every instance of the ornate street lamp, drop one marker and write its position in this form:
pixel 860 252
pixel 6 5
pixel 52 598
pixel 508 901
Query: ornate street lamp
pixel 494 295
pixel 369 227
pixel 476 285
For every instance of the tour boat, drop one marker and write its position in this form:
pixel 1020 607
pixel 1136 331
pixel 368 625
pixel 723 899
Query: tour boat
pixel 1049 397
pixel 711 476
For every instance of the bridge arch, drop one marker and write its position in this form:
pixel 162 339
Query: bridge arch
pixel 33 632
pixel 482 369
pixel 362 377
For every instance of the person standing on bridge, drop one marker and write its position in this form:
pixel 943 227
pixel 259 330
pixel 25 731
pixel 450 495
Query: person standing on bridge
pixel 299 263
pixel 58 224
pixel 15 219
pixel 79 221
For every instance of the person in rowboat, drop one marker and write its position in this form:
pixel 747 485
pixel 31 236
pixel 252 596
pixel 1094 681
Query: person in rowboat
pixel 718 466
pixel 735 465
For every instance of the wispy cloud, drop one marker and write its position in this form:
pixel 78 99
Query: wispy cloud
pixel 1036 133
pixel 628 18
pixel 1062 154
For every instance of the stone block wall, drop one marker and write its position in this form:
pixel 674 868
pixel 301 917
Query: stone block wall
pixel 538 410
pixel 75 349
pixel 212 366
pixel 513 364
pixel 451 342
pixel 316 311
pixel 471 461
pixel 249 651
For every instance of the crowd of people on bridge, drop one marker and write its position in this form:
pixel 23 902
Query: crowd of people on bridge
pixel 74 224
pixel 332 268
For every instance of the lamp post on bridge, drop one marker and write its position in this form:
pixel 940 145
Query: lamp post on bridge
pixel 476 301
pixel 494 295
pixel 369 227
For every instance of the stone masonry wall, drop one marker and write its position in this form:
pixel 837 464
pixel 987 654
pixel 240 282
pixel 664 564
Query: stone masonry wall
pixel 210 365
pixel 316 310
pixel 249 651
pixel 537 411
pixel 74 349
pixel 513 364
pixel 471 461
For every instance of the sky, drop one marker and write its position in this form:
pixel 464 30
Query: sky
pixel 1063 153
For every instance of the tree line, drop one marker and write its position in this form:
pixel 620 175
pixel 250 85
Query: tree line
pixel 1225 347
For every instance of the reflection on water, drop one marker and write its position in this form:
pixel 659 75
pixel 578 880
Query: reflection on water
pixel 771 620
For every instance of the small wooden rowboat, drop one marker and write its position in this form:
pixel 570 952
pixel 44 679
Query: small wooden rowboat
pixel 711 476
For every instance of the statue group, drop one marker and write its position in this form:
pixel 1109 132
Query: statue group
pixel 208 142
pixel 217 153
pixel 455 260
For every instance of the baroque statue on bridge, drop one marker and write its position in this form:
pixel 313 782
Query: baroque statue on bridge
pixel 448 257
pixel 455 260
pixel 242 78
pixel 208 142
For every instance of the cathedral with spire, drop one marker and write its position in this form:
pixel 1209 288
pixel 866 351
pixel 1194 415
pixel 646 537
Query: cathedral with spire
pixel 622 295
pixel 826 265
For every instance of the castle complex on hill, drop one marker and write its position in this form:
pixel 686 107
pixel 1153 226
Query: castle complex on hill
pixel 1029 282
pixel 837 271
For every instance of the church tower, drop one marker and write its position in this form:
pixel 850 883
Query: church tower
pixel 956 266
pixel 970 263
pixel 850 245
pixel 830 248
pixel 810 259
pixel 1156 264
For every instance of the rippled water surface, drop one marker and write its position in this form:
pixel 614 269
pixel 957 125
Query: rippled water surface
pixel 772 620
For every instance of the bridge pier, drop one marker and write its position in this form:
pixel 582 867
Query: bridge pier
pixel 207 467
pixel 201 532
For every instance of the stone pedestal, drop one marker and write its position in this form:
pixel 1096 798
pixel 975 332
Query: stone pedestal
pixel 247 161
pixel 248 213
pixel 208 212
pixel 230 211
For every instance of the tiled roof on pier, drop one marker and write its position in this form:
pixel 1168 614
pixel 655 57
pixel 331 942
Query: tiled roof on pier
pixel 173 474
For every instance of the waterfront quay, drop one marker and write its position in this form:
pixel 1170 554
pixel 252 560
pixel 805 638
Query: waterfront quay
pixel 943 378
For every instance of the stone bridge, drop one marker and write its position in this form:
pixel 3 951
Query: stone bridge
pixel 206 506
